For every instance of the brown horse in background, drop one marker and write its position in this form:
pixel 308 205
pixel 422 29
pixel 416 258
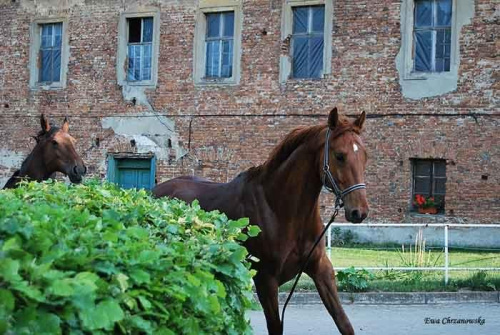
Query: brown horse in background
pixel 281 196
pixel 54 152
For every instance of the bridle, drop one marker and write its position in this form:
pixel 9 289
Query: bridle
pixel 339 203
pixel 335 189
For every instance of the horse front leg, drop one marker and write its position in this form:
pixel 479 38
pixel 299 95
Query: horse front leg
pixel 267 291
pixel 323 275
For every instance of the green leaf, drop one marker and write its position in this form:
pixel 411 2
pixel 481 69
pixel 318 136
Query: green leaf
pixel 48 323
pixel 103 316
pixel 241 223
pixel 9 270
pixel 122 281
pixel 141 324
pixel 253 231
pixel 7 302
pixel 62 287
pixel 140 276
pixel 29 291
pixel 145 303
pixel 137 232
pixel 112 310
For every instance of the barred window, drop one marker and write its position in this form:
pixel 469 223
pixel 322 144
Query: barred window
pixel 429 180
pixel 432 35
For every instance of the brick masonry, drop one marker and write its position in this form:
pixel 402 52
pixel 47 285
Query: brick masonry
pixel 225 130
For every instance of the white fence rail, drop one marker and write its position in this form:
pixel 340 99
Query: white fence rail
pixel 446 268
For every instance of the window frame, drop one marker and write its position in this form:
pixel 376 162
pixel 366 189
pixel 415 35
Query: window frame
pixel 122 52
pixel 433 193
pixel 35 44
pixel 408 43
pixel 200 52
pixel 287 30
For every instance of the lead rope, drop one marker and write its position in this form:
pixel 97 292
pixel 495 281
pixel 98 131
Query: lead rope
pixel 334 215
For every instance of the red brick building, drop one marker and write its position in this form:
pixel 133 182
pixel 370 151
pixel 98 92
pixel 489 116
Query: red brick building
pixel 210 86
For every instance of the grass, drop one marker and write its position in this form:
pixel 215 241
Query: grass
pixel 405 281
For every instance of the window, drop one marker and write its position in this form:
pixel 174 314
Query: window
pixel 140 45
pixel 307 25
pixel 217 43
pixel 132 171
pixel 138 49
pixel 307 41
pixel 48 54
pixel 429 180
pixel 429 57
pixel 432 36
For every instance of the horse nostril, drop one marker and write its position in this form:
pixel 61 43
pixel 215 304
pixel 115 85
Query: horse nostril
pixel 356 214
pixel 84 169
pixel 75 170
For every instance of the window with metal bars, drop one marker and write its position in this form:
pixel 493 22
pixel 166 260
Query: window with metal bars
pixel 429 180
pixel 140 47
pixel 307 41
pixel 432 35
pixel 219 42
pixel 50 52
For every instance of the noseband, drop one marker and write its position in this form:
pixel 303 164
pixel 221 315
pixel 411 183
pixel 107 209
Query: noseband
pixel 339 194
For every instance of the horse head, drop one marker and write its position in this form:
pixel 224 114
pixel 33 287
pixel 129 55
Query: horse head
pixel 346 160
pixel 56 150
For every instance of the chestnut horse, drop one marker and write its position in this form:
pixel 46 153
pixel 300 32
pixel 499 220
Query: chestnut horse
pixel 54 152
pixel 281 196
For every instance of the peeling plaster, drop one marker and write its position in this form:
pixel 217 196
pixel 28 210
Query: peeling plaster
pixel 150 132
pixel 11 159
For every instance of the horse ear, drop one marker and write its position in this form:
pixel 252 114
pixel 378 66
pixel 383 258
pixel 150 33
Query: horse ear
pixel 333 118
pixel 65 126
pixel 360 120
pixel 44 122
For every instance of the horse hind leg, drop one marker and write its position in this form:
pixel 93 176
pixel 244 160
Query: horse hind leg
pixel 267 291
pixel 324 278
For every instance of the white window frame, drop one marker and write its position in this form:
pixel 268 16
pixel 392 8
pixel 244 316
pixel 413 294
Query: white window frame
pixel 122 53
pixel 199 58
pixel 34 62
pixel 287 28
pixel 408 7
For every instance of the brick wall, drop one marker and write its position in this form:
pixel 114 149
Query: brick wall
pixel 228 129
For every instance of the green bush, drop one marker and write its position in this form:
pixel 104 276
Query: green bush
pixel 353 280
pixel 95 259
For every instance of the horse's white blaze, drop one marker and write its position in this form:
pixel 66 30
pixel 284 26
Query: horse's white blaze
pixel 355 147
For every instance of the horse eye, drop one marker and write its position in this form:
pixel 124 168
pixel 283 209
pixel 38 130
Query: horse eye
pixel 340 157
pixel 54 142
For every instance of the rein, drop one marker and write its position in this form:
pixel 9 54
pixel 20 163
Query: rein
pixel 339 203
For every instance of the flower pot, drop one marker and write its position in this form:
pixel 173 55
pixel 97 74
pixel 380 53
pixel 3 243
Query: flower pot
pixel 428 210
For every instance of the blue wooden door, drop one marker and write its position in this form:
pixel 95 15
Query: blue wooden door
pixel 132 172
pixel 134 178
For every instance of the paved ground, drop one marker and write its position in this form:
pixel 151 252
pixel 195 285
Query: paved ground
pixel 389 319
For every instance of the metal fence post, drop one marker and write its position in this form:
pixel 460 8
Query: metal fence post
pixel 330 238
pixel 446 255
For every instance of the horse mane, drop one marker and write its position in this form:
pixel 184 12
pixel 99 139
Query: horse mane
pixel 294 139
pixel 38 137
